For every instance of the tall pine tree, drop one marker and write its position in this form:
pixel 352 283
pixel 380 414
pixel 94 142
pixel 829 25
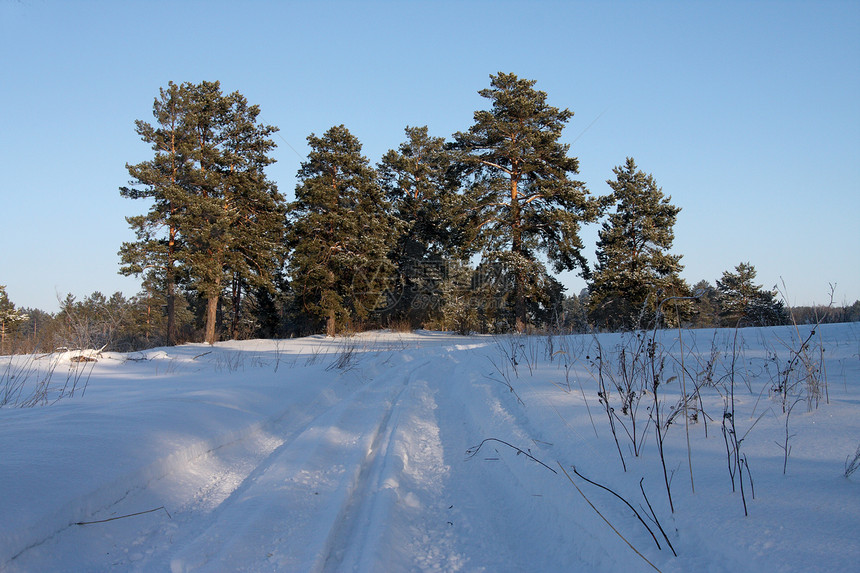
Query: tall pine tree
pixel 254 210
pixel 340 232
pixel 214 215
pixel 634 268
pixel 205 219
pixel 523 198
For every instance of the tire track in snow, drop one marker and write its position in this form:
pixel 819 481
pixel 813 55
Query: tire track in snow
pixel 397 519
pixel 354 516
pixel 503 501
pixel 284 513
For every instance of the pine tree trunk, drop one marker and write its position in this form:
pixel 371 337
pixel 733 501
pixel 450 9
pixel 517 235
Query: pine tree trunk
pixel 331 320
pixel 170 279
pixel 331 324
pixel 237 301
pixel 517 248
pixel 211 317
pixel 171 306
pixel 171 248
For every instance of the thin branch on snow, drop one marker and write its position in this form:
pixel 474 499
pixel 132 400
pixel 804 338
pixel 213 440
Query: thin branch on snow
pixel 471 452
pixel 124 516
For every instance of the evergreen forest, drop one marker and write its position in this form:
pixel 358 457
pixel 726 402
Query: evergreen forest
pixel 464 234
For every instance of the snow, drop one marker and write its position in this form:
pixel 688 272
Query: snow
pixel 361 454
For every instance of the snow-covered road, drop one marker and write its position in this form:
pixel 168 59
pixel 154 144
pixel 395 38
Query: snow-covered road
pixel 358 468
pixel 331 496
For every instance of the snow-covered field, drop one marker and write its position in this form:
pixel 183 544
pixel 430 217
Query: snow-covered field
pixel 362 454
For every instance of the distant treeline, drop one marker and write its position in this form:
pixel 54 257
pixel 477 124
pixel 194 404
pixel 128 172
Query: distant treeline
pixel 826 314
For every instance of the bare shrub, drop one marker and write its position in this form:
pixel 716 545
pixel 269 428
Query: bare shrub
pixel 27 382
pixel 346 357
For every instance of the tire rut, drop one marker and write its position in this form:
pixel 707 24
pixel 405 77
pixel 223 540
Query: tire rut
pixel 299 489
pixel 355 508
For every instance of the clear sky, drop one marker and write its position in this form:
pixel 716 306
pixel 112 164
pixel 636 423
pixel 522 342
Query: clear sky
pixel 746 113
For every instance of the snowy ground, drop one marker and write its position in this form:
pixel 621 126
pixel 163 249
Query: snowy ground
pixel 360 454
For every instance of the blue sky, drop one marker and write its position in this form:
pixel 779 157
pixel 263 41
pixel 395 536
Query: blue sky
pixel 746 113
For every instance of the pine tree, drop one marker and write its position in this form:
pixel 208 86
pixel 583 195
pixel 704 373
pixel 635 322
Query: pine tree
pixel 254 210
pixel 223 219
pixel 340 232
pixel 524 201
pixel 428 213
pixel 204 220
pixel 745 303
pixel 634 268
